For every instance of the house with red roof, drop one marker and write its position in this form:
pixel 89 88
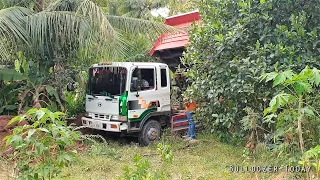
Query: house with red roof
pixel 170 46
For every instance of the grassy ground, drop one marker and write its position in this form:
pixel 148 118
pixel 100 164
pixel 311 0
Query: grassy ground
pixel 207 159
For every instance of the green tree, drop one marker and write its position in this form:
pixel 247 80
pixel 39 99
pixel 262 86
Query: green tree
pixel 139 47
pixel 60 37
pixel 237 42
pixel 182 6
pixel 292 108
pixel 65 29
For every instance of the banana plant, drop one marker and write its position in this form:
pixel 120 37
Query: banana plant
pixel 41 95
pixel 30 90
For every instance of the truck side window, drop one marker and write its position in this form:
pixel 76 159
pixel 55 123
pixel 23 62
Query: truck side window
pixel 163 74
pixel 143 78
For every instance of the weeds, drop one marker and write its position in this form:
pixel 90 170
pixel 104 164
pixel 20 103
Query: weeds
pixel 142 166
pixel 103 150
pixel 165 152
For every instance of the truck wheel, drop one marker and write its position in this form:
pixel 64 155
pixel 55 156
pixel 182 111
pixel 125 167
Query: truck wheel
pixel 150 132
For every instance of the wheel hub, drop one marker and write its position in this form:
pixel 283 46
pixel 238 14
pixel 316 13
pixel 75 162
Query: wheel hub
pixel 152 134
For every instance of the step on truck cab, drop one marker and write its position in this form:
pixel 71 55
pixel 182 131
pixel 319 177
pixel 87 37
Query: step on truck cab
pixel 130 98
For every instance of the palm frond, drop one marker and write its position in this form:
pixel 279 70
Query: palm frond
pixel 72 26
pixel 134 25
pixel 12 21
pixel 57 29
pixel 111 43
pixel 62 5
pixel 12 30
pixel 4 50
pixel 22 3
pixel 4 4
pixel 105 36
pixel 85 8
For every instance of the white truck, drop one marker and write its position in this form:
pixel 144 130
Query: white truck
pixel 129 97
pixel 134 98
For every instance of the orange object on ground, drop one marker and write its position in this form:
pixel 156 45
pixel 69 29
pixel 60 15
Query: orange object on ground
pixel 191 106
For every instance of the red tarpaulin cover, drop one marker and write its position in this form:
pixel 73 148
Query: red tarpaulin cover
pixel 176 39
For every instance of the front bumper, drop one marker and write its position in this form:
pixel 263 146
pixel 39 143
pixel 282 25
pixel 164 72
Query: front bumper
pixel 112 126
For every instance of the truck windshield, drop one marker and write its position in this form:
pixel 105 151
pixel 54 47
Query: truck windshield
pixel 107 80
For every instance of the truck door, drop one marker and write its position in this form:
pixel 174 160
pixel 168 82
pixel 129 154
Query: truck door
pixel 164 88
pixel 142 95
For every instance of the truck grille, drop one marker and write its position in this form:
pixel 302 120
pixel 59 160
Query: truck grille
pixel 102 116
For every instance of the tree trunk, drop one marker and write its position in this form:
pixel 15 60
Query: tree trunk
pixel 300 125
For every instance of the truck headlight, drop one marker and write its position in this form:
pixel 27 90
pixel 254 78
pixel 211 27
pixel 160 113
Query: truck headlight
pixel 119 118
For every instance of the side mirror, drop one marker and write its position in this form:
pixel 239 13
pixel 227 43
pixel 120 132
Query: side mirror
pixel 70 87
pixel 134 85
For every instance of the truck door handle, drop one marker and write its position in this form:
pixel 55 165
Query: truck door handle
pixel 90 98
pixel 108 99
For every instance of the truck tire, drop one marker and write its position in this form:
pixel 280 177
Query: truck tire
pixel 150 132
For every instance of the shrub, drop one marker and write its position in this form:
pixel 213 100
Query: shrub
pixel 42 149
pixel 141 171
pixel 75 103
pixel 293 111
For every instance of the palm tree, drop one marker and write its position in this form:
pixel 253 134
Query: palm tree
pixel 67 28
pixel 53 35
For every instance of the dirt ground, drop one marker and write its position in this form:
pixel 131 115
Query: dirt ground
pixel 6 129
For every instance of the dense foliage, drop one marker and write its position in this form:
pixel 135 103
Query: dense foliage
pixel 31 86
pixel 69 30
pixel 52 42
pixel 237 42
pixel 297 120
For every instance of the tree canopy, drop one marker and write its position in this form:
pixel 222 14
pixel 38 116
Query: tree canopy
pixel 65 28
pixel 237 42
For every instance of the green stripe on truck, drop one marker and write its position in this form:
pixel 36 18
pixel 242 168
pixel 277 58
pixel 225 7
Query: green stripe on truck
pixel 143 115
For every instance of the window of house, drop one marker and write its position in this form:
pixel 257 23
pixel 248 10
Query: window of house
pixel 163 74
pixel 142 79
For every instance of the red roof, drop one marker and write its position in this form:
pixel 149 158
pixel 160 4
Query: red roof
pixel 176 39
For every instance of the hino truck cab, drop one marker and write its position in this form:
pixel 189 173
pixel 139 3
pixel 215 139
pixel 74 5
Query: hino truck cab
pixel 129 98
